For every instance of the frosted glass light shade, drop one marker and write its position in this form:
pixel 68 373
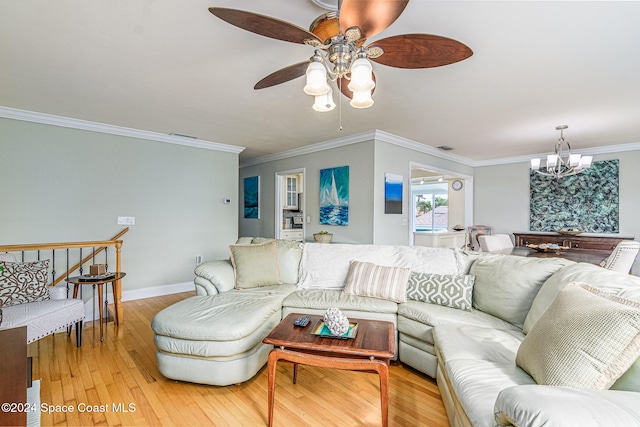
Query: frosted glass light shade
pixel 585 162
pixel 316 80
pixel 535 164
pixel 574 160
pixel 324 102
pixel 552 160
pixel 361 99
pixel 361 78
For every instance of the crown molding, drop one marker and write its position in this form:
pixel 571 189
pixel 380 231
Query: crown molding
pixel 377 135
pixel 49 119
pixel 313 148
pixel 609 149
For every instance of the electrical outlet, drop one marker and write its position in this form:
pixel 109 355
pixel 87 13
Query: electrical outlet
pixel 198 259
pixel 126 220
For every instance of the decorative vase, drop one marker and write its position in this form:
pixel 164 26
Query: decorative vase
pixel 322 237
pixel 336 321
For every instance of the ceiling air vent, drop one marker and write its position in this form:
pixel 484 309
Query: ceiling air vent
pixel 445 147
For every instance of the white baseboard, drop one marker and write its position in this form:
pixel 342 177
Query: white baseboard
pixel 135 294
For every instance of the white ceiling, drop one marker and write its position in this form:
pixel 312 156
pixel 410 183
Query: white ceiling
pixel 171 66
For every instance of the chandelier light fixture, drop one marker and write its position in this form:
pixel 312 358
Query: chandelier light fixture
pixel 562 163
pixel 341 59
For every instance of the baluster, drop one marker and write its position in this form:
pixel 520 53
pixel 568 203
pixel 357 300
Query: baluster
pixel 22 256
pixel 38 254
pixel 80 269
pixel 67 272
pixel 53 266
pixel 94 254
pixel 106 258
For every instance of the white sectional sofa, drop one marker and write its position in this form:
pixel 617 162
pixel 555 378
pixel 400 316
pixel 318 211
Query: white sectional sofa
pixel 216 336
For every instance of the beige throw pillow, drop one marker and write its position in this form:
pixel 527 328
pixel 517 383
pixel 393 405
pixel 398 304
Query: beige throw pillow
pixel 377 281
pixel 587 339
pixel 255 265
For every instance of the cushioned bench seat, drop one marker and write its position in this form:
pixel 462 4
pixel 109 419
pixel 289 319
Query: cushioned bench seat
pixel 227 328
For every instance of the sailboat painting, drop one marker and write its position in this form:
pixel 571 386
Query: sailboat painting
pixel 334 196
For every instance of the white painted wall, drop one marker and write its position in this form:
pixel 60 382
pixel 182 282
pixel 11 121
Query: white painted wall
pixel 60 184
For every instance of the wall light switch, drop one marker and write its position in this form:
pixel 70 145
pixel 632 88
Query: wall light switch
pixel 126 220
pixel 308 219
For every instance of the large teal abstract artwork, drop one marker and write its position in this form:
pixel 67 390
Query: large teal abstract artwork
pixel 588 201
pixel 334 196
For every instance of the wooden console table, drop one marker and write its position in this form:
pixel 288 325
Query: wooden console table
pixel 582 242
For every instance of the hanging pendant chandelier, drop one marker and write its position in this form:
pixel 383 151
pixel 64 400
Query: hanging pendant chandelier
pixel 562 163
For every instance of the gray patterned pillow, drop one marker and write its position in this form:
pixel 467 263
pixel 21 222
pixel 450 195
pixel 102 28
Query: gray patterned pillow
pixel 22 282
pixel 442 289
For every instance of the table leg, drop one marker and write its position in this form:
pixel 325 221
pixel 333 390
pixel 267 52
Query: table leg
pixel 295 373
pixel 75 295
pixel 116 304
pixel 100 310
pixel 273 361
pixel 383 372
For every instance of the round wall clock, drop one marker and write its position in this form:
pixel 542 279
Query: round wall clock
pixel 456 185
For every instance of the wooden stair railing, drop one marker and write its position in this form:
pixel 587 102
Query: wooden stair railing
pixel 97 246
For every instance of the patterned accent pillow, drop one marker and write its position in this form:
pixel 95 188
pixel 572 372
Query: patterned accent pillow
pixel 443 289
pixel 22 282
pixel 587 338
pixel 377 281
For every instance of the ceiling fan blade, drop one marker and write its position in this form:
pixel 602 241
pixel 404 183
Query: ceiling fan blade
pixel 343 84
pixel 371 16
pixel 420 51
pixel 263 25
pixel 283 75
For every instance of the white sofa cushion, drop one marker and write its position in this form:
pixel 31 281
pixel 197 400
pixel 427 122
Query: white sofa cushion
pixel 377 281
pixel 586 339
pixel 506 285
pixel 326 266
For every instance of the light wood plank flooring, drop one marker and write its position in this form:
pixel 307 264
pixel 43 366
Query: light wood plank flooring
pixel 116 382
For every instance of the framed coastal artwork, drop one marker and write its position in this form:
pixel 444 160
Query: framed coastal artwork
pixel 588 201
pixel 334 196
pixel 392 193
pixel 252 197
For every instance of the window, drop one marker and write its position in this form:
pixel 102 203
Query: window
pixel 431 208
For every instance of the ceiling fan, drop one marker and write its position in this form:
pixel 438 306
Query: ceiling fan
pixel 340 55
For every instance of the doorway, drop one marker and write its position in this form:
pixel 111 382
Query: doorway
pixel 441 201
pixel 290 205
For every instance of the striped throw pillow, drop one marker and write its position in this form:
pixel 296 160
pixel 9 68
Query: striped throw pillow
pixel 377 281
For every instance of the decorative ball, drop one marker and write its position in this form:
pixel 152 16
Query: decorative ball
pixel 336 321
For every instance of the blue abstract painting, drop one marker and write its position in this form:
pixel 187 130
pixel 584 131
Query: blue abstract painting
pixel 392 193
pixel 588 201
pixel 252 197
pixel 334 196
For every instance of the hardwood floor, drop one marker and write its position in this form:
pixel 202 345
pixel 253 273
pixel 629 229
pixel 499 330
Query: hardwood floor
pixel 116 382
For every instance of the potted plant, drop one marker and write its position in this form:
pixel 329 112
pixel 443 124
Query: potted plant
pixel 322 237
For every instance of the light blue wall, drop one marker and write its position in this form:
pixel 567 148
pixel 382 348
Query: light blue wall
pixel 359 157
pixel 60 185
pixel 502 196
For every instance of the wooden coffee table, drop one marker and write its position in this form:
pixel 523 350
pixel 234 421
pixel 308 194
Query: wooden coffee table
pixel 370 350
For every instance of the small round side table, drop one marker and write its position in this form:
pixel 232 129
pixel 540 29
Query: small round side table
pixel 98 282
